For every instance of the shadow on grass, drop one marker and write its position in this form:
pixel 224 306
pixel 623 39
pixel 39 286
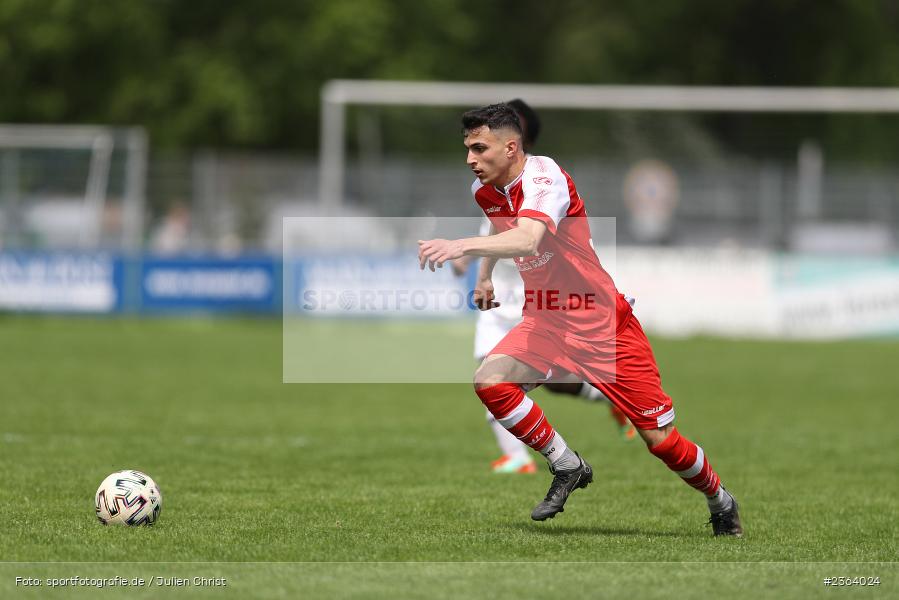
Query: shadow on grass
pixel 560 530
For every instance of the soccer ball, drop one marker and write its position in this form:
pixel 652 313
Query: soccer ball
pixel 128 498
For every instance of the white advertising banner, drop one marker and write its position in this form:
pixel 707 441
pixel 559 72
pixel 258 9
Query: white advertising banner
pixel 749 293
pixel 66 282
pixel 694 291
pixel 828 298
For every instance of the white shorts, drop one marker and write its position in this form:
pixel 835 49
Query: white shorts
pixel 490 329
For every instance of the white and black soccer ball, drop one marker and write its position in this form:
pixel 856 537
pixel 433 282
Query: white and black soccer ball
pixel 128 498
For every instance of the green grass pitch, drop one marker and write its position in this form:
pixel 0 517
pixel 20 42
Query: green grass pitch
pixel 385 490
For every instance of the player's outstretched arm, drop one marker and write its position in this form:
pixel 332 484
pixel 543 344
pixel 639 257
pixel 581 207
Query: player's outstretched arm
pixel 460 265
pixel 522 240
pixel 518 241
pixel 434 253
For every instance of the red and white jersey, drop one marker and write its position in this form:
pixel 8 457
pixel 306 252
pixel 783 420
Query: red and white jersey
pixel 566 288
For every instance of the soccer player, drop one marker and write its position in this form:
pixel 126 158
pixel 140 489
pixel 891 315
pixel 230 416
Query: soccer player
pixel 574 319
pixel 494 324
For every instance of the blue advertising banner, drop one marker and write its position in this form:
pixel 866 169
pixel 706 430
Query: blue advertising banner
pixel 86 282
pixel 210 284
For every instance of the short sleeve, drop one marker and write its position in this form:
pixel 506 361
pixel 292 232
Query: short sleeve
pixel 545 192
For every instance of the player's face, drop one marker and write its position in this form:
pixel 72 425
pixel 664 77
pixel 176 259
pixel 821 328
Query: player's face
pixel 490 156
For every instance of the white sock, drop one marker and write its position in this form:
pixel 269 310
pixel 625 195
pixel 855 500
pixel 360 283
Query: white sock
pixel 591 393
pixel 559 455
pixel 720 500
pixel 508 444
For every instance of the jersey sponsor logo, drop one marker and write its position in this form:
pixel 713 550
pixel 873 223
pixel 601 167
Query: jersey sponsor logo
pixel 542 180
pixel 493 209
pixel 525 264
pixel 653 411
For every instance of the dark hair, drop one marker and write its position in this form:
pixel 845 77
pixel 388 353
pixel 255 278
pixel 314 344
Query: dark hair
pixel 494 116
pixel 530 122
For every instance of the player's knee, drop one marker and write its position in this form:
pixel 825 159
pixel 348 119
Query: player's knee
pixel 654 437
pixel 483 384
pixel 486 377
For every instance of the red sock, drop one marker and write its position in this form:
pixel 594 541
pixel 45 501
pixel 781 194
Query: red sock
pixel 517 413
pixel 688 460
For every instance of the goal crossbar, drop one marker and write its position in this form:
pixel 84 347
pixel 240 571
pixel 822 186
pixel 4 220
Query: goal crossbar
pixel 336 95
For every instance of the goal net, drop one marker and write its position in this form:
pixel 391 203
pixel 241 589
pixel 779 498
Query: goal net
pixel 71 186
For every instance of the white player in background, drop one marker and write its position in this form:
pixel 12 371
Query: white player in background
pixel 493 325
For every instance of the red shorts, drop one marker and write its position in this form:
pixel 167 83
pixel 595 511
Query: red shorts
pixel 623 368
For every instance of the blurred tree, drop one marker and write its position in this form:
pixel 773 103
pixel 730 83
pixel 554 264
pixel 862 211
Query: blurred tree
pixel 248 74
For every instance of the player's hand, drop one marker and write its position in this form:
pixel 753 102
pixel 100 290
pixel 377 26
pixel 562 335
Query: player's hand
pixel 434 253
pixel 483 296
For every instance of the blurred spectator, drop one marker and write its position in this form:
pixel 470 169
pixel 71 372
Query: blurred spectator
pixel 651 193
pixel 172 235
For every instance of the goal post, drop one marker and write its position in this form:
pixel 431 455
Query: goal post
pixel 99 142
pixel 337 95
